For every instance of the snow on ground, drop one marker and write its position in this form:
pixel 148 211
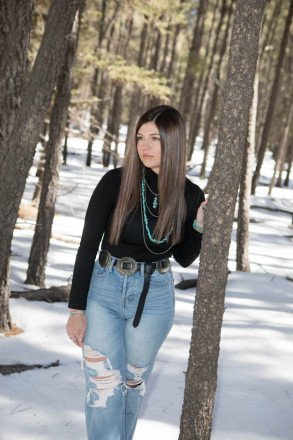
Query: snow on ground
pixel 254 398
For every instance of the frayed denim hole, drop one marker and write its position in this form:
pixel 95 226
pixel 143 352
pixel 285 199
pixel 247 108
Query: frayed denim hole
pixel 103 379
pixel 137 382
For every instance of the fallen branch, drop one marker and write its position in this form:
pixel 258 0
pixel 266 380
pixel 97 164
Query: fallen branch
pixel 18 368
pixel 52 294
pixel 186 284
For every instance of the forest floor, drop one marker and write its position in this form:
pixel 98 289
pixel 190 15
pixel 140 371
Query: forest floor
pixel 254 397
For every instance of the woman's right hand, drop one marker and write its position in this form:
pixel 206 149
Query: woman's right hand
pixel 76 327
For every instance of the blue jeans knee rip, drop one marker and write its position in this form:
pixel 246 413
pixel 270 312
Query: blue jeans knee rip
pixel 104 380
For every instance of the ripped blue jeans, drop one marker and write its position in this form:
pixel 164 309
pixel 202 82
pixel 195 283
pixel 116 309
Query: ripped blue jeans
pixel 119 358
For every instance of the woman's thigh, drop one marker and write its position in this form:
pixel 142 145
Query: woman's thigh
pixel 143 342
pixel 104 350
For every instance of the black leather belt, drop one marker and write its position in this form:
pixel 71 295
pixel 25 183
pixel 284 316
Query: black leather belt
pixel 128 266
pixel 148 271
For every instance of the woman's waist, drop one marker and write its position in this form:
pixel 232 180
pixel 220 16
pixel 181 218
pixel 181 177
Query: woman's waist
pixel 128 265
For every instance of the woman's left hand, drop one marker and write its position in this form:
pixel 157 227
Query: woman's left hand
pixel 200 213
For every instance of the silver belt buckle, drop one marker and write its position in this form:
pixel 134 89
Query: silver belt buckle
pixel 105 258
pixel 163 268
pixel 129 260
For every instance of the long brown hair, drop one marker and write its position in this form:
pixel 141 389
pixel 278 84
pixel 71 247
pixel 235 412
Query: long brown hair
pixel 171 179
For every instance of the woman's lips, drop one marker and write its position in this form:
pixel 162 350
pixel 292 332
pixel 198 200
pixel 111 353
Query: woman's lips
pixel 147 156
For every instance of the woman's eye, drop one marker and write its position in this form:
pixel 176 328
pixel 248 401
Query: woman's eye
pixel 139 138
pixel 156 139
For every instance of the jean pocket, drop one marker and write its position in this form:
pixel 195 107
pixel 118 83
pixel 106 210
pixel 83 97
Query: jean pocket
pixel 161 279
pixel 100 271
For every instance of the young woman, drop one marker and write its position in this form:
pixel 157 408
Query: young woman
pixel 122 305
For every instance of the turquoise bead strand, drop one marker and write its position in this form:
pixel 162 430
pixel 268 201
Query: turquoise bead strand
pixel 146 219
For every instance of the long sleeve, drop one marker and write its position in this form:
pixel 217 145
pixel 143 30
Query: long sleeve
pixel 97 224
pixel 189 248
pixel 99 209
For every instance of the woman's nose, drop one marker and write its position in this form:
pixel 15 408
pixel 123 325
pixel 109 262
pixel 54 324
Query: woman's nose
pixel 146 144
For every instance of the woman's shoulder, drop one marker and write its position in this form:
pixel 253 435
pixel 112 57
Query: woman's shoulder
pixel 112 176
pixel 193 193
pixel 191 187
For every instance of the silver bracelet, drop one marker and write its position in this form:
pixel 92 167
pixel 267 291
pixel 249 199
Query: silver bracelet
pixel 76 314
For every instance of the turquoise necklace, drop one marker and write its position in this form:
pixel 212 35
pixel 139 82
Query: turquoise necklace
pixel 145 219
pixel 155 201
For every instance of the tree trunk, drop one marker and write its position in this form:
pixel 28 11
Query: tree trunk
pixel 272 100
pixel 282 150
pixel 97 90
pixel 157 47
pixel 171 65
pixel 41 240
pixel 115 112
pixel 38 188
pixel 17 160
pixel 136 94
pixel 242 253
pixel 15 22
pixel 193 56
pixel 268 68
pixel 65 146
pixel 201 88
pixel 214 94
pixel 290 159
pixel 201 375
pixel 113 125
pixel 154 65
pixel 270 31
pixel 166 50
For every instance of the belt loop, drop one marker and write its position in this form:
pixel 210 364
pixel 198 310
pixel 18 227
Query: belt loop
pixel 142 269
pixel 111 264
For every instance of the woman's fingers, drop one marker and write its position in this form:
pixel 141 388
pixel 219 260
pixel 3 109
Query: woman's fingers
pixel 200 212
pixel 204 203
pixel 76 327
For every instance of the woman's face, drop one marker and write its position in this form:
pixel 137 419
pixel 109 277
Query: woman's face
pixel 148 143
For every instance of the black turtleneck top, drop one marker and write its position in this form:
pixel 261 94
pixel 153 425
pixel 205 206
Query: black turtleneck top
pixel 97 225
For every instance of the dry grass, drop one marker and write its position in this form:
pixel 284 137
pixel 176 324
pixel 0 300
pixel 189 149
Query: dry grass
pixel 28 211
pixel 13 331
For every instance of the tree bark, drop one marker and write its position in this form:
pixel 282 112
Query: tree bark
pixel 242 252
pixel 16 161
pixel 41 240
pixel 201 376
pixel 15 23
pixel 272 100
